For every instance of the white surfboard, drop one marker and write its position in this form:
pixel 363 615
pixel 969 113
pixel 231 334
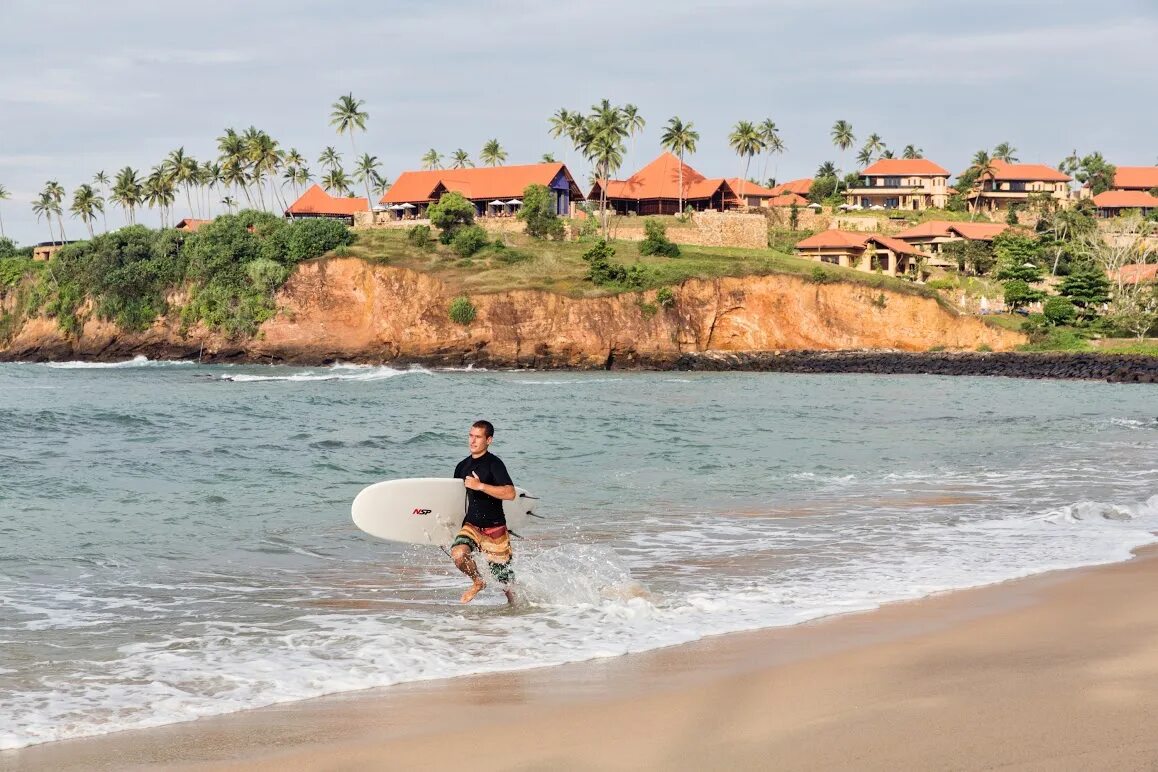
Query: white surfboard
pixel 426 510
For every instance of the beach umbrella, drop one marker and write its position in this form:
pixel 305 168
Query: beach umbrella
pixel 396 207
pixel 877 207
pixel 514 202
pixel 408 206
pixel 496 202
pixel 815 205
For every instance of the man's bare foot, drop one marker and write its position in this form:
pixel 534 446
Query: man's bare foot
pixel 474 590
pixel 510 596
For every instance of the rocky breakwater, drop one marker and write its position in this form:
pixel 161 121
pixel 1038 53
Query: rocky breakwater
pixel 346 309
pixel 1108 367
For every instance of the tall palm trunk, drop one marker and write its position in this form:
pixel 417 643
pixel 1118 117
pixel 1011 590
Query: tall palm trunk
pixel 680 194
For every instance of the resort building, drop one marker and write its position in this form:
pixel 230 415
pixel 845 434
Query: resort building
pixel 930 237
pixel 655 189
pixel 1014 184
pixel 1136 273
pixel 316 202
pixel 901 183
pixel 863 251
pixel 751 193
pixel 1112 203
pixel 46 249
pixel 1143 179
pixel 190 225
pixel 801 187
pixel 495 191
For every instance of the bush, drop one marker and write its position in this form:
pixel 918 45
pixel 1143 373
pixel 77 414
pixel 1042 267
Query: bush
pixel 1018 293
pixel 665 297
pixel 462 311
pixel 452 213
pixel 538 212
pixel 469 240
pixel 14 269
pixel 603 272
pixel 314 237
pixel 655 240
pixel 943 283
pixel 819 275
pixel 1059 311
pixel 419 236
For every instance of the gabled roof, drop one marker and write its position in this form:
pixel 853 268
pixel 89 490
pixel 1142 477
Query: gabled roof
pixel 787 199
pixel 190 224
pixel 835 239
pixel 1034 172
pixel 974 231
pixel 750 188
pixel 660 179
pixel 476 183
pixel 1125 199
pixel 801 187
pixel 1136 177
pixel 318 201
pixel 905 167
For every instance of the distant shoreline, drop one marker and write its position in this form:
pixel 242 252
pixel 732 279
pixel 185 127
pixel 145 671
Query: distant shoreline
pixel 1115 368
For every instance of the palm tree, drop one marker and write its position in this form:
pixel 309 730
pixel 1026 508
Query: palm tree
pixel 265 159
pixel 127 192
pixel 874 144
pixel 102 179
pixel 912 152
pixel 492 153
pixel 827 169
pixel 184 170
pixel 864 157
pixel 680 138
pixel 4 196
pixel 981 167
pixel 772 141
pixel 560 125
pixel 381 184
pixel 460 159
pixel 229 203
pixel 842 136
pixel 601 142
pixel 302 176
pixel 635 123
pixel 432 159
pixel 347 115
pixel 234 166
pixel 86 202
pixel 336 180
pixel 366 171
pixel 747 141
pixel 160 190
pixel 209 178
pixel 1005 152
pixel 547 158
pixel 330 159
pixel 44 208
pixel 55 192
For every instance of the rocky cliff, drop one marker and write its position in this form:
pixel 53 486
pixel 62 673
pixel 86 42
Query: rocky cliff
pixel 350 310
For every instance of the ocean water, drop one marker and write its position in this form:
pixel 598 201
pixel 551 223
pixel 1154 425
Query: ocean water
pixel 175 540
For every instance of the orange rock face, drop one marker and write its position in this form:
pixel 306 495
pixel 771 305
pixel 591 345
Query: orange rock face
pixel 350 310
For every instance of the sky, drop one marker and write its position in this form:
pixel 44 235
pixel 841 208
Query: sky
pixel 87 86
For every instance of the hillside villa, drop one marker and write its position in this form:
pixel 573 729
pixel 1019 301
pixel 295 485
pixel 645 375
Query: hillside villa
pixel 190 224
pixel 1140 178
pixel 901 183
pixel 655 189
pixel 792 192
pixel 930 237
pixel 316 202
pixel 860 250
pixel 494 190
pixel 751 193
pixel 1133 188
pixel 1014 184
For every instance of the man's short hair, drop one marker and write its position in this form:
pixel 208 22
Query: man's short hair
pixel 487 427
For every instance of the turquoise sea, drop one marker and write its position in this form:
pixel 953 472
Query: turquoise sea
pixel 175 540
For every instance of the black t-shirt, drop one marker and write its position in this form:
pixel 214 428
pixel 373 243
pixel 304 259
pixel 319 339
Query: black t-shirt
pixel 482 509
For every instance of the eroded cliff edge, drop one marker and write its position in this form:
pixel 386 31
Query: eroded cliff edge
pixel 346 309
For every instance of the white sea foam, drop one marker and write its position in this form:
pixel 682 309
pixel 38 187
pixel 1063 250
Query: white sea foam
pixel 137 361
pixel 338 372
pixel 585 603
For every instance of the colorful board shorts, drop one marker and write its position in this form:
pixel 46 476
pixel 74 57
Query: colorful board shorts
pixel 494 544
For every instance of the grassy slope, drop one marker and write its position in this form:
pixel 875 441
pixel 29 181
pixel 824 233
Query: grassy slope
pixel 558 266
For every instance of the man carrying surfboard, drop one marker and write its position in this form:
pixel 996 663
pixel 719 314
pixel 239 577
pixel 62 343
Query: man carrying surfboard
pixel 484 528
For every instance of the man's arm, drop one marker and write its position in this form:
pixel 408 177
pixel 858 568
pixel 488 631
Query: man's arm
pixel 504 492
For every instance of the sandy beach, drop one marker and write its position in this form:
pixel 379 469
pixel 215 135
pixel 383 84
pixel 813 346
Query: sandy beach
pixel 1058 671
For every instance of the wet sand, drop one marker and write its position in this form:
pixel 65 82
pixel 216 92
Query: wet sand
pixel 1053 672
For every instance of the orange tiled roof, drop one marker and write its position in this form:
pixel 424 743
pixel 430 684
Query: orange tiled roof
pixel 1125 199
pixel 974 231
pixel 476 183
pixel 787 199
pixel 318 201
pixel 1136 177
pixel 750 188
pixel 1136 273
pixel 1008 171
pixel 835 239
pixel 190 224
pixel 661 178
pixel 905 167
pixel 801 187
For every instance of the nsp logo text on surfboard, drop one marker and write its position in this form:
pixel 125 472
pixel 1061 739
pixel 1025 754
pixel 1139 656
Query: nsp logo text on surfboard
pixel 421 512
